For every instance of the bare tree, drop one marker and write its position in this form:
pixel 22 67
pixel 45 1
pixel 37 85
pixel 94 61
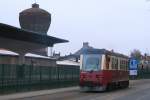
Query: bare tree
pixel 136 54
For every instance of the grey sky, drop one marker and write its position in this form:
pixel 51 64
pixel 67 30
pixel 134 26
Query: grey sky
pixel 121 25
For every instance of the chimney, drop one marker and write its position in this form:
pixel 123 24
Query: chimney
pixel 85 44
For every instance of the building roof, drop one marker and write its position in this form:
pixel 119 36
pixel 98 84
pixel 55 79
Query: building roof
pixel 77 53
pixel 68 62
pixel 71 56
pixel 12 54
pixel 85 47
pixel 11 32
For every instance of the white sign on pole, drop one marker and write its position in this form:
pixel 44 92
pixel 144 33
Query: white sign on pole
pixel 133 72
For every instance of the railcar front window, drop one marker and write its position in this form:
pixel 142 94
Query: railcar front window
pixel 91 62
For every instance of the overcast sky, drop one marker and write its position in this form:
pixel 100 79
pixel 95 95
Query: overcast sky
pixel 122 25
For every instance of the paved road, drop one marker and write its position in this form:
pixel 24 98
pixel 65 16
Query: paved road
pixel 138 90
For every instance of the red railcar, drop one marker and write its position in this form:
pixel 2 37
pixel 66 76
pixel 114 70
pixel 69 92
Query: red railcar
pixel 102 69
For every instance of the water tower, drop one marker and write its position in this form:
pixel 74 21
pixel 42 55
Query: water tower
pixel 35 19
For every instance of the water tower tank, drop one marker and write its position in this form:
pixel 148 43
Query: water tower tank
pixel 35 19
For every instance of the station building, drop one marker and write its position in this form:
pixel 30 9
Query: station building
pixel 30 38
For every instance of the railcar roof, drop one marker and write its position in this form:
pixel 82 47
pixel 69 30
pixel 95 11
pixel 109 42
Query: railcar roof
pixel 103 51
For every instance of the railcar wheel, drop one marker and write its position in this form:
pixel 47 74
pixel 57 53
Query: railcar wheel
pixel 122 85
pixel 127 84
pixel 109 87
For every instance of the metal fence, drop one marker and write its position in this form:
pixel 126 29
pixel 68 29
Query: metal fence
pixel 143 73
pixel 16 78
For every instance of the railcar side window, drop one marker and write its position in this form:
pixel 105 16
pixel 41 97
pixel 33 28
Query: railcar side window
pixel 123 64
pixel 114 63
pixel 127 65
pixel 107 62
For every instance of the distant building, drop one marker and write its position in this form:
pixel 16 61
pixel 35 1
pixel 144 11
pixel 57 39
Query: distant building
pixel 76 56
pixel 145 62
pixel 56 55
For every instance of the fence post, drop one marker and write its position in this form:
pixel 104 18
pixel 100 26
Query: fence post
pixel 72 78
pixel 30 77
pixel 17 81
pixel 40 77
pixel 58 76
pixel 3 76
